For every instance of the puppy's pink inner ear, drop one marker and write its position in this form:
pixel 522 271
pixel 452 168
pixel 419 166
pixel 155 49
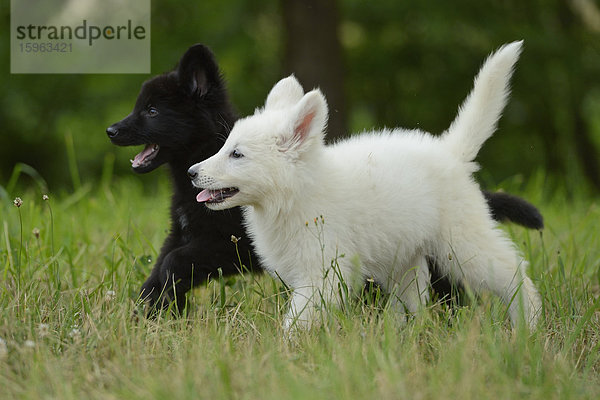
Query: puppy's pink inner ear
pixel 303 127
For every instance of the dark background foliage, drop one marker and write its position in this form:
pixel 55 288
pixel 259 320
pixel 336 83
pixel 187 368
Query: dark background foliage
pixel 380 63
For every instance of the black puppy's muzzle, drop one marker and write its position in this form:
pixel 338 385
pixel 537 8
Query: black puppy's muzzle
pixel 112 131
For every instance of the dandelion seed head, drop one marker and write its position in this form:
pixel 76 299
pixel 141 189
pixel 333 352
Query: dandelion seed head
pixel 235 239
pixel 45 197
pixel 43 330
pixel 18 202
pixel 110 295
pixel 75 334
pixel 36 232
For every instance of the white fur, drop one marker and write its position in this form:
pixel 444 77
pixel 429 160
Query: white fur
pixel 388 199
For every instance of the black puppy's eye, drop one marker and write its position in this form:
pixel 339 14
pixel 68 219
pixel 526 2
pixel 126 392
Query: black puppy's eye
pixel 152 111
pixel 236 154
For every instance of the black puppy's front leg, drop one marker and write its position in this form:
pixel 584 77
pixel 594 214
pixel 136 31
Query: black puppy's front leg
pixel 152 292
pixel 173 277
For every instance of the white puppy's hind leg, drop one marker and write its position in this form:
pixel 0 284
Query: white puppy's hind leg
pixel 524 302
pixel 409 288
pixel 485 258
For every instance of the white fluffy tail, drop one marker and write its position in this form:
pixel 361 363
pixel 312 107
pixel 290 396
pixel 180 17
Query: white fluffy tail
pixel 479 114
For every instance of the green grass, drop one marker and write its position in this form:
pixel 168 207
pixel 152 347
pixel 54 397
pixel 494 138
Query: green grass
pixel 67 300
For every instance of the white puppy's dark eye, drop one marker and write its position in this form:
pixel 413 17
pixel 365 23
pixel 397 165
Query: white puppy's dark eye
pixel 236 154
pixel 152 111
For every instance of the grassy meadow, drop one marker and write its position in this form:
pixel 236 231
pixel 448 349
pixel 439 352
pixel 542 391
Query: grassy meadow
pixel 71 267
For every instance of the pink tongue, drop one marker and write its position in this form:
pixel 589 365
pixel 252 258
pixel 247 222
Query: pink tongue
pixel 203 196
pixel 139 159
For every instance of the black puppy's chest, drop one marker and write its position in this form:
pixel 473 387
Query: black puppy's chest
pixel 182 222
pixel 182 219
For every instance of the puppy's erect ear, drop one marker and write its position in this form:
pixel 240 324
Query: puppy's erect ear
pixel 197 70
pixel 286 93
pixel 309 119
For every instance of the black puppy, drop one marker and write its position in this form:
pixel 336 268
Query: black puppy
pixel 182 117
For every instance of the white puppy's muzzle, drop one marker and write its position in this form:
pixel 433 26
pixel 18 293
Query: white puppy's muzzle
pixel 199 179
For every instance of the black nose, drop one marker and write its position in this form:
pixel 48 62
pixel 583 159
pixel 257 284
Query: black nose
pixel 192 174
pixel 111 131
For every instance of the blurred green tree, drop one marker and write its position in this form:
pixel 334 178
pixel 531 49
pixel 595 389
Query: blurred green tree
pixel 313 52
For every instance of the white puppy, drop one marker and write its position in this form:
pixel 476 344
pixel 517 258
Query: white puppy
pixel 387 199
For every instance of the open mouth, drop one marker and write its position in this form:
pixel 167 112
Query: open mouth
pixel 145 156
pixel 211 196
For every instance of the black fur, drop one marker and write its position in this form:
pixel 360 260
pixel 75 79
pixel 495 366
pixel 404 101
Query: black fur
pixel 506 207
pixel 186 112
